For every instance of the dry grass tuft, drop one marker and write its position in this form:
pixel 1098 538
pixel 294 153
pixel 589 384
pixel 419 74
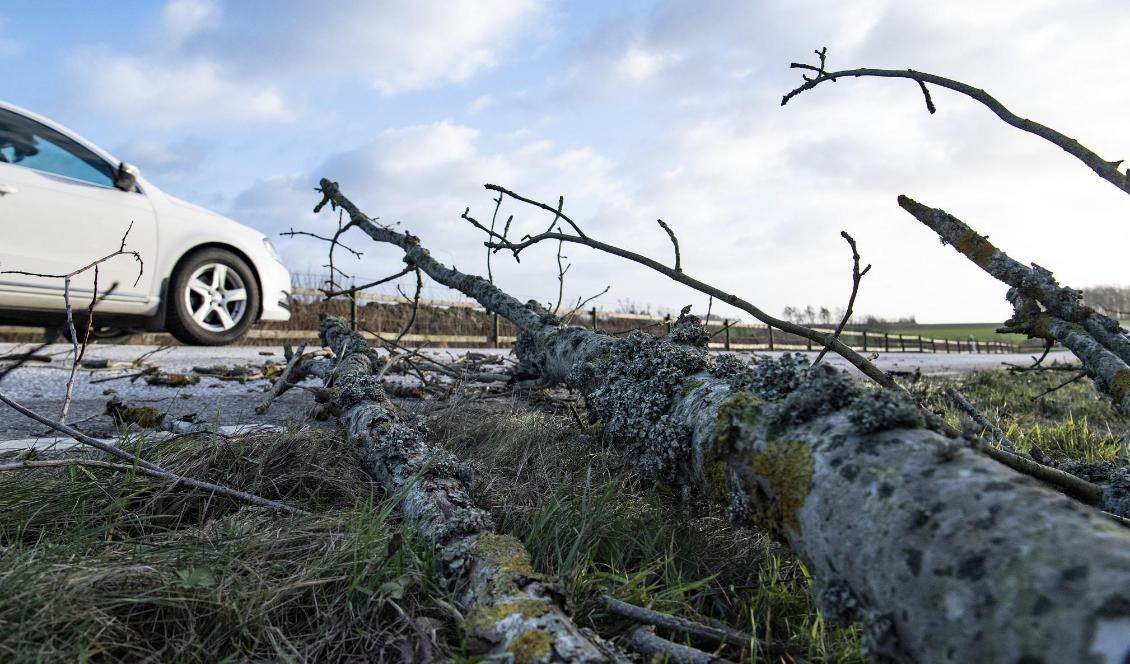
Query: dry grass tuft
pixel 101 567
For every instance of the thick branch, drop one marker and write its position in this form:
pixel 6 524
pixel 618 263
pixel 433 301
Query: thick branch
pixel 508 607
pixel 1097 340
pixel 1107 170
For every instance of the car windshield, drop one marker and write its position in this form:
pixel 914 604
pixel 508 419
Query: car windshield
pixel 28 143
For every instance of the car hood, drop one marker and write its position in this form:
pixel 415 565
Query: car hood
pixel 184 210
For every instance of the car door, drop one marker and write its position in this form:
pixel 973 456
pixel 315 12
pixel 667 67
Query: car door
pixel 59 212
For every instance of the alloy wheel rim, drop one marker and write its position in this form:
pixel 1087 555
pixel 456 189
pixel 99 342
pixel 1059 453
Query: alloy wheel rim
pixel 216 297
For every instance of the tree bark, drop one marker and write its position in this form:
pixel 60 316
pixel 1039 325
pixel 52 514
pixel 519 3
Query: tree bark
pixel 510 610
pixel 1043 308
pixel 941 553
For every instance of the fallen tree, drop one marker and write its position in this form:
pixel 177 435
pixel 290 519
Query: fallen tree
pixel 508 608
pixel 939 552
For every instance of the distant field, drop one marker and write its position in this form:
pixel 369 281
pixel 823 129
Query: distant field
pixel 962 331
pixel 959 331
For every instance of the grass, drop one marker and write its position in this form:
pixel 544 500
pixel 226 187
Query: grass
pixel 104 568
pixel 961 331
pixel 1071 422
pixel 590 521
pixel 958 332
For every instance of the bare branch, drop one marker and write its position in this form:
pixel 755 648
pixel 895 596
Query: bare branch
pixel 1105 169
pixel 294 233
pixel 357 289
pixel 415 300
pixel 971 410
pixel 675 242
pixel 150 469
pixel 1042 308
pixel 646 642
pixel 557 212
pixel 283 382
pixel 561 270
pixel 855 359
pixel 856 277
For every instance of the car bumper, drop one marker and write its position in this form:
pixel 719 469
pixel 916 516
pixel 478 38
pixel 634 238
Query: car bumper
pixel 276 292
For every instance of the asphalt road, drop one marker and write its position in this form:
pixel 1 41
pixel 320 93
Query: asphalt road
pixel 42 386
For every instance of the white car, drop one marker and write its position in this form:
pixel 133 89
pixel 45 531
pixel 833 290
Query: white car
pixel 65 203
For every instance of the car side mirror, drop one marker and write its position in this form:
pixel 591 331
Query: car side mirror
pixel 126 177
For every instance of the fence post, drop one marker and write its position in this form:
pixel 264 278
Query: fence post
pixel 667 320
pixel 886 342
pixel 865 341
pixel 920 349
pixel 494 329
pixel 726 332
pixel 902 344
pixel 592 313
pixel 947 344
pixel 353 310
pixel 770 337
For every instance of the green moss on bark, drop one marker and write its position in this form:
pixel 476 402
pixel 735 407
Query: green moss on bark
pixel 786 466
pixel 530 646
pixel 504 552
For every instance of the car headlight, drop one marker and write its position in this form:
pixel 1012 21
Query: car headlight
pixel 271 249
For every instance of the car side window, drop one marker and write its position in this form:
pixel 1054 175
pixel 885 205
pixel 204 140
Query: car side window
pixel 27 143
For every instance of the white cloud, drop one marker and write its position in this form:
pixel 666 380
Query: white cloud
pixel 480 104
pixel 639 64
pixel 156 157
pixel 183 19
pixel 156 93
pixel 237 62
pixel 391 46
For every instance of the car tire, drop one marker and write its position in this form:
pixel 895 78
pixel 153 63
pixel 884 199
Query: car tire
pixel 213 298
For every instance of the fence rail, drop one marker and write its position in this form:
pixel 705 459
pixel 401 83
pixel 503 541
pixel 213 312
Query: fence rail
pixel 724 333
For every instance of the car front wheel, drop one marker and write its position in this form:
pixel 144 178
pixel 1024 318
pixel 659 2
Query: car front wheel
pixel 214 298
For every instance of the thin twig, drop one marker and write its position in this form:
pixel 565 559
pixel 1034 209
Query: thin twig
pixel 293 233
pixel 147 468
pixel 1087 492
pixel 561 270
pixel 675 623
pixel 356 289
pixel 644 641
pixel 493 221
pixel 674 242
pixel 283 382
pixel 971 410
pixel 581 303
pixel 856 277
pixel 241 496
pixel 22 359
pixel 1081 375
pixel 1048 344
pixel 415 304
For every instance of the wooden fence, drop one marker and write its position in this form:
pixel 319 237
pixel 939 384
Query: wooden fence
pixel 725 335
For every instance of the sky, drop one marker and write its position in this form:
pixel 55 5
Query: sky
pixel 633 111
